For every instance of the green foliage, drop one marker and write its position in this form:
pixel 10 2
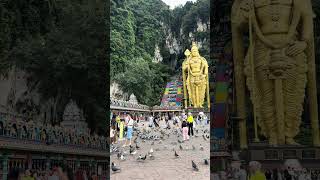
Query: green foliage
pixel 137 26
pixel 66 59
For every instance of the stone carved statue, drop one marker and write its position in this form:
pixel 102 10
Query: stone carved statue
pixel 195 78
pixel 277 68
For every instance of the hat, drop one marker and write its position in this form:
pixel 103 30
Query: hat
pixel 189 113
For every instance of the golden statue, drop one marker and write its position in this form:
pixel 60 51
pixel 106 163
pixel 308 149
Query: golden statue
pixel 195 78
pixel 277 68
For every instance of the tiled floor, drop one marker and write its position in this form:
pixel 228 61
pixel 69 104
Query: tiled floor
pixel 165 166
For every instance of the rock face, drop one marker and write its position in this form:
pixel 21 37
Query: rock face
pixel 73 117
pixel 157 55
pixel 17 99
pixel 117 93
pixel 201 26
pixel 20 99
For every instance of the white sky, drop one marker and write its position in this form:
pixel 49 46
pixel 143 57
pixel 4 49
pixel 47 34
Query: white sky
pixel 174 3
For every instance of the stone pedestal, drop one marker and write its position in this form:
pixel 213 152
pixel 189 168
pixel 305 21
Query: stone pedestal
pixel 271 157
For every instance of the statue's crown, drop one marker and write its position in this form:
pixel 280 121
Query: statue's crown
pixel 194 46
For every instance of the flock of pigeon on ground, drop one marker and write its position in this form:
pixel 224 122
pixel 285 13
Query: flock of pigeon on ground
pixel 157 135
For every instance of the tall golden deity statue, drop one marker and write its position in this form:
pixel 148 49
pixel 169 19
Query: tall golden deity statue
pixel 277 68
pixel 195 78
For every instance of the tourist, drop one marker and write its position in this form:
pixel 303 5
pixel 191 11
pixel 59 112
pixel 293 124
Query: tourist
pixel 275 174
pixel 242 173
pixel 85 176
pixel 215 175
pixel 129 126
pixel 121 130
pixel 94 176
pixel 184 116
pixel 287 175
pixel 21 175
pixel 54 175
pixel 256 174
pixel 35 176
pixel 304 175
pixel 199 118
pixel 205 119
pixel 151 123
pixel 190 124
pixel 112 134
pixel 127 118
pixel 185 130
pixel 268 174
pixel 79 175
pixel 27 175
pixel 175 120
pixel 155 121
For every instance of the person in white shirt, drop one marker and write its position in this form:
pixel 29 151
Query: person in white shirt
pixel 112 135
pixel 242 173
pixel 129 130
pixel 151 124
pixel 126 119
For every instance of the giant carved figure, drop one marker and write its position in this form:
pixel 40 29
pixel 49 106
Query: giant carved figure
pixel 195 78
pixel 277 67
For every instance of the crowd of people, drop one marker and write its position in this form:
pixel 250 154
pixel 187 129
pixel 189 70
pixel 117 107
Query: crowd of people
pixel 122 126
pixel 254 171
pixel 56 173
pixel 51 134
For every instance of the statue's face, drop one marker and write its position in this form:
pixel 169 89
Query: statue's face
pixel 195 52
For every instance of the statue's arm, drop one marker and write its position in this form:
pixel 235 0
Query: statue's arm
pixel 239 24
pixel 205 67
pixel 184 65
pixel 307 20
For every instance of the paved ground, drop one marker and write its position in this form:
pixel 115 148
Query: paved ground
pixel 165 166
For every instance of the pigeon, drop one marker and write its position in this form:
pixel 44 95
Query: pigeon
pixel 137 147
pixel 194 148
pixel 195 167
pixel 204 137
pixel 181 148
pixel 151 156
pixel 132 151
pixel 119 155
pixel 179 141
pixel 160 142
pixel 114 168
pixel 144 158
pixel 135 139
pixel 152 143
pixel 175 154
pixel 122 158
pixel 201 147
pixel 206 162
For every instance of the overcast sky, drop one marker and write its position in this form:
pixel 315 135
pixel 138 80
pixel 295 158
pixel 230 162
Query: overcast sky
pixel 174 3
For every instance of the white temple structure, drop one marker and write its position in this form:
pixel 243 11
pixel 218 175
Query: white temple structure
pixel 73 117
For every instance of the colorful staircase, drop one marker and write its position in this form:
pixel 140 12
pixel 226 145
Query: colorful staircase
pixel 222 96
pixel 173 95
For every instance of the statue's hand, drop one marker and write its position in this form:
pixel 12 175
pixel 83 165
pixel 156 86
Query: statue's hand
pixel 296 48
